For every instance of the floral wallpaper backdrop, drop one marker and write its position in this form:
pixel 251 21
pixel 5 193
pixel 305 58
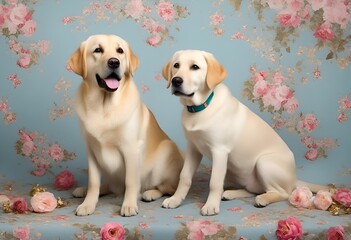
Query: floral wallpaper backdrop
pixel 288 60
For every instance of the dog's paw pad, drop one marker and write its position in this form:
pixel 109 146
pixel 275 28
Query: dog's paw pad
pixel 83 210
pixel 210 210
pixel 128 211
pixel 80 192
pixel 151 195
pixel 171 202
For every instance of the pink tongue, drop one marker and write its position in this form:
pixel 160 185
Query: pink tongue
pixel 112 83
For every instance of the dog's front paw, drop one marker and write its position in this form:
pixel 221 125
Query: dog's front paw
pixel 80 192
pixel 210 209
pixel 172 202
pixel 129 210
pixel 261 201
pixel 85 209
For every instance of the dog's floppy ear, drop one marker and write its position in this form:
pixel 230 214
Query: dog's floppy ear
pixel 77 62
pixel 167 73
pixel 133 61
pixel 216 73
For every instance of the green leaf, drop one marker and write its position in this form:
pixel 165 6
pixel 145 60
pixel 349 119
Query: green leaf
pixel 330 55
pixel 236 4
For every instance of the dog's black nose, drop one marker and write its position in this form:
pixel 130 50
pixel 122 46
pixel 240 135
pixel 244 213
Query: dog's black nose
pixel 113 63
pixel 177 81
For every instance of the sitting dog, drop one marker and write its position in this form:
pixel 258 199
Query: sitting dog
pixel 245 151
pixel 125 144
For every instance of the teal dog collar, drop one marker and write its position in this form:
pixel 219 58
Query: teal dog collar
pixel 194 109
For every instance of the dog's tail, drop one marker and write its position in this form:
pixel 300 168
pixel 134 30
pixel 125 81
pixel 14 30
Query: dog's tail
pixel 313 187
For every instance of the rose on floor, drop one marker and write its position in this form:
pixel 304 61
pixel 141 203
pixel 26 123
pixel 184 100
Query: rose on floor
pixel 112 231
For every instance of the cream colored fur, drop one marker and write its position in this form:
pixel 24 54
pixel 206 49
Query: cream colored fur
pixel 247 155
pixel 125 144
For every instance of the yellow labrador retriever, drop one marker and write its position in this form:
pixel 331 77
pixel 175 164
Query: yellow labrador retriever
pixel 125 144
pixel 245 151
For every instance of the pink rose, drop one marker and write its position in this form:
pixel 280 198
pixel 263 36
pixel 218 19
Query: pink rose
pixel 19 15
pixel 43 202
pixel 291 105
pixel 154 40
pixel 311 154
pixel 288 19
pixel 22 233
pixel 260 88
pixel 336 233
pixel 56 152
pixel 28 148
pixel 309 123
pixel 308 141
pixel 342 117
pixel 216 19
pixel 343 196
pixel 260 76
pixel 301 197
pixel 19 205
pixel 270 98
pixel 29 28
pixel 324 32
pixel 165 10
pixel 112 231
pixel 289 229
pixel 24 61
pixel 64 180
pixel 135 9
pixel 323 200
pixel 38 172
pixel 345 103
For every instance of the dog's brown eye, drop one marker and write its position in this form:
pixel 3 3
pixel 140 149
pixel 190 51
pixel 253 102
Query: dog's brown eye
pixel 120 50
pixel 176 65
pixel 194 67
pixel 98 50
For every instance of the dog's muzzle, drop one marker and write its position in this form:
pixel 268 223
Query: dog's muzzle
pixel 111 82
pixel 177 87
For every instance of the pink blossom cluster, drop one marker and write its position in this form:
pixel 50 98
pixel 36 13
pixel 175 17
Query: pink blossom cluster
pixel 42 154
pixel 344 107
pixel 112 231
pixel 316 148
pixel 216 20
pixel 165 9
pixel 273 93
pixel 199 229
pixel 291 228
pixel 296 12
pixel 9 117
pixel 156 31
pixel 16 18
pixel 135 9
pixel 15 80
pixel 28 56
pixel 302 197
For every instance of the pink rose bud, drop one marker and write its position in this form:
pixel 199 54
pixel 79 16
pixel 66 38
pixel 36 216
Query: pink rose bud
pixel 19 205
pixel 112 231
pixel 43 202
pixel 64 180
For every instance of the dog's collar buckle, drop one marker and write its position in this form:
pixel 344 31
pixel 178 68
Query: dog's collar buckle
pixel 199 108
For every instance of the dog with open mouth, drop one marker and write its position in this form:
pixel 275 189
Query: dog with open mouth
pixel 126 148
pixel 248 157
